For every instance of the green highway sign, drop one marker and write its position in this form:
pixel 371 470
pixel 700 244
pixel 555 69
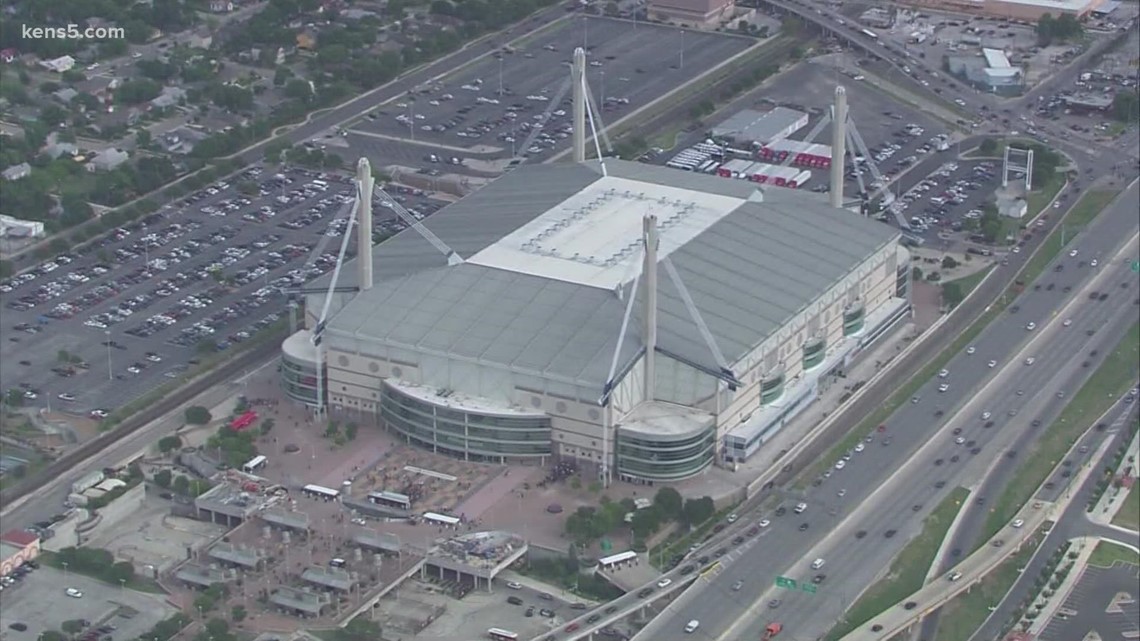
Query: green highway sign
pixel 1136 266
pixel 808 587
pixel 786 582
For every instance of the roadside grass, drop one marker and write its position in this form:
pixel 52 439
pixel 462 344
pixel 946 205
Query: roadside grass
pixel 667 139
pixel 964 614
pixel 1129 514
pixel 1089 206
pixel 1107 553
pixel 1104 387
pixel 137 582
pixel 908 570
pixel 969 283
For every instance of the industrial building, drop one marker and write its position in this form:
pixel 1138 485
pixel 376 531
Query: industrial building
pixel 642 322
pixel 692 13
pixel 17 547
pixel 748 128
pixel 765 174
pixel 1029 11
pixel 16 228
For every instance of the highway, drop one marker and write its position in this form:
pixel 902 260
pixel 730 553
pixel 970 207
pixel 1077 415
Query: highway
pixel 717 606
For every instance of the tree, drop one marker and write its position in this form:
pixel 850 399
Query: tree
pixel 72 626
pixel 948 262
pixel 645 522
pixel 143 138
pixel 14 397
pixel 238 613
pixel 697 511
pixel 162 478
pixel 669 503
pixel 350 431
pixel 181 485
pixel 197 415
pixel 170 443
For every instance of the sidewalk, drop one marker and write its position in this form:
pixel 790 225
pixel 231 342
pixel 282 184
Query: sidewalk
pixel 1114 497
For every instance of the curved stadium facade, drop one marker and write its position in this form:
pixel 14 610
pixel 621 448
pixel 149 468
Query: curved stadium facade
pixel 507 354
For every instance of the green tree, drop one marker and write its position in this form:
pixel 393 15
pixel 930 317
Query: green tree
pixel 72 626
pixel 697 511
pixel 14 397
pixel 645 522
pixel 162 478
pixel 181 485
pixel 238 613
pixel 948 262
pixel 350 431
pixel 669 503
pixel 170 443
pixel 197 415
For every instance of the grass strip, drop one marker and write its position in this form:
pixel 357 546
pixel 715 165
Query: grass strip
pixel 908 570
pixel 1104 387
pixel 1039 198
pixel 137 582
pixel 1032 270
pixel 1129 514
pixel 1108 554
pixel 965 614
pixel 1089 206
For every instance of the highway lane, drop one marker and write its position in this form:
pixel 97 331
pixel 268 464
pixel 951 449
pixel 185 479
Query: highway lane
pixel 1002 336
pixel 1073 523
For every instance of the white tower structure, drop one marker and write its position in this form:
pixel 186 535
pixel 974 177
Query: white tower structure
pixel 1017 161
pixel 649 271
pixel 364 184
pixel 838 146
pixel 578 89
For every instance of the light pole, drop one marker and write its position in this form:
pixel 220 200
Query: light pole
pixel 586 33
pixel 682 65
pixel 500 77
pixel 602 101
pixel 110 371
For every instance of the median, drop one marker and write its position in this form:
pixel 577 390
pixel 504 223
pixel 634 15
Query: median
pixel 909 569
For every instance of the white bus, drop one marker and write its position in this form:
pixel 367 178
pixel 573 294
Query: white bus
pixel 608 562
pixel 255 465
pixel 502 635
pixel 391 499
pixel 318 492
pixel 442 519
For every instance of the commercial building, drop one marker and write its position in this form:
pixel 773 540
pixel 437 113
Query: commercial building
pixel 691 13
pixel 17 547
pixel 640 321
pixel 16 228
pixel 1022 10
pixel 803 154
pixel 749 128
pixel 992 72
pixel 763 173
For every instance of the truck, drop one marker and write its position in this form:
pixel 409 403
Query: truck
pixel 87 482
pixel 771 630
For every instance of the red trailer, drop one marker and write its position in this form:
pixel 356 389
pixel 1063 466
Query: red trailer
pixel 243 421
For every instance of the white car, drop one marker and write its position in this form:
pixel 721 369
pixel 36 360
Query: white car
pixel 764 523
pixel 1031 326
pixel 73 593
pixel 945 387
pixel 732 518
pixel 1068 321
pixel 70 398
pixel 817 564
pixel 842 493
pixel 1092 263
pixel 664 583
pixel 1018 523
pixel 839 465
pixel 1031 360
pixel 692 626
pixel 1016 249
pixel 960 440
pixel 1073 254
pixel 514 585
pixel 944 373
pixel 860 447
pixel 992 364
pixel 986 416
pixel 971 349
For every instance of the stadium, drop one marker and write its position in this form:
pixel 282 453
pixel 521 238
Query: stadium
pixel 639 321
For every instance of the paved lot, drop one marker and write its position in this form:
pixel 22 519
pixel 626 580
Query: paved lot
pixel 152 538
pixel 134 306
pixel 1090 607
pixel 39 603
pixel 493 106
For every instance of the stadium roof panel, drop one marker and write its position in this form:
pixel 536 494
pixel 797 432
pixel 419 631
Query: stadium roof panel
pixel 748 270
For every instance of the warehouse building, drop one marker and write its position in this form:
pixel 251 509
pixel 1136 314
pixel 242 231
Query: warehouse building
pixel 1029 11
pixel 643 322
pixel 692 13
pixel 749 128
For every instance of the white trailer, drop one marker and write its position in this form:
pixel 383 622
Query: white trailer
pixel 87 482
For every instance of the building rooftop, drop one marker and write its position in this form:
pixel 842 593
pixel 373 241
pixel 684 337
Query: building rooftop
pixel 561 315
pixel 759 126
pixel 658 419
pixel 481 549
pixel 1076 6
pixel 996 58
pixel 19 538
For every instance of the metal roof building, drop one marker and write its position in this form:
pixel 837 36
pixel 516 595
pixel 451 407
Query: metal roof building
pixel 747 127
pixel 531 347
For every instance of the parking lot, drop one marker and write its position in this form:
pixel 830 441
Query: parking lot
pixel 949 200
pixel 511 104
pixel 90 330
pixel 1103 601
pixel 39 602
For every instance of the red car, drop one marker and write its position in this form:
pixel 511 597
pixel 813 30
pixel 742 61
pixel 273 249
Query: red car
pixel 572 627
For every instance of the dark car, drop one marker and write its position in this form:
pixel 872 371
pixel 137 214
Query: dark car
pixel 910 605
pixel 578 606
pixel 721 552
pixel 688 569
pixel 644 593
pixel 546 612
pixel 738 540
pixel 890 533
pixel 593 618
pixel 18 627
pixel 780 511
pixel 611 609
pixel 514 600
pixel 819 578
pixel 804 527
pixel 529 612
pixel 546 596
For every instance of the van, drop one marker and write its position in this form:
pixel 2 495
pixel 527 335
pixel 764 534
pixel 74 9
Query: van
pixel 955 576
pixel 817 564
pixel 337 563
pixel 801 508
pixel 514 600
pixel 692 626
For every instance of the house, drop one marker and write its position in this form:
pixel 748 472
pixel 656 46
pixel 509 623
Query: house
pixel 9 55
pixel 306 41
pixel 17 172
pixel 59 65
pixel 107 160
pixel 221 6
pixel 58 149
pixel 200 40
pixel 98 86
pixel 66 95
pixel 169 97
